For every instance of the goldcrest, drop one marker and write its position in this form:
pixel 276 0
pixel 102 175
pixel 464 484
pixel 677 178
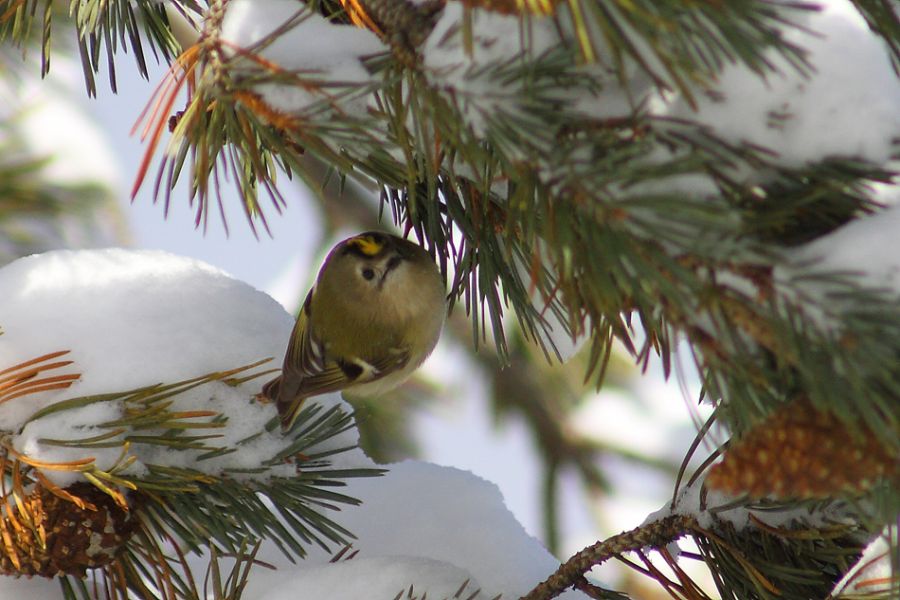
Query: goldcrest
pixel 373 316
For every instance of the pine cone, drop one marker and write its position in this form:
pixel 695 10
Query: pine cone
pixel 50 536
pixel 404 25
pixel 799 452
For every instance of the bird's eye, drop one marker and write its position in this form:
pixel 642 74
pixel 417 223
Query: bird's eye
pixel 368 273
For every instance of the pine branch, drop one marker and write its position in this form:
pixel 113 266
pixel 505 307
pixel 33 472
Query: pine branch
pixel 511 183
pixel 757 561
pixel 238 134
pixel 102 28
pixel 572 571
pixel 193 508
pixel 515 189
pixel 813 542
pixel 883 16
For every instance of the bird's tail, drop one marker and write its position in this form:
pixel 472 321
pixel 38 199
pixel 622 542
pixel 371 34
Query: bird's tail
pixel 270 390
pixel 289 409
pixel 288 404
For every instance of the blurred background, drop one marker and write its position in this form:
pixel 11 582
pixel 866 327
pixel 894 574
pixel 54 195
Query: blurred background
pixel 574 464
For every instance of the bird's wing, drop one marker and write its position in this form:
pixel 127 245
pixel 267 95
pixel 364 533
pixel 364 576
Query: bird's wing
pixel 304 355
pixel 334 376
pixel 305 358
pixel 338 373
pixel 310 371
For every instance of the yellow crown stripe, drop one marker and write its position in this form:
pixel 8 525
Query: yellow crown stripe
pixel 367 244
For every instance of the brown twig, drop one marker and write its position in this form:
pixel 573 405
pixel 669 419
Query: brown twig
pixel 589 589
pixel 571 572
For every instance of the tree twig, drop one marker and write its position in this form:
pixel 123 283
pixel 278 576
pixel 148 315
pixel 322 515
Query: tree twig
pixel 571 572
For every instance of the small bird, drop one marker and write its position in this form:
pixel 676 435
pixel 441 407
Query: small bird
pixel 373 316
